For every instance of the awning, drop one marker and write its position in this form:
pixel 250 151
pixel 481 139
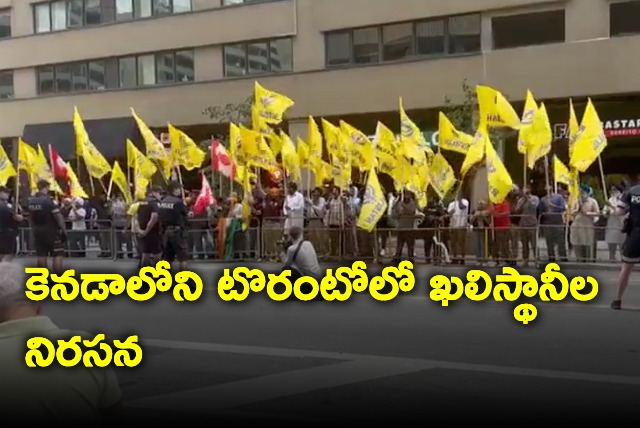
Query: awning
pixel 108 135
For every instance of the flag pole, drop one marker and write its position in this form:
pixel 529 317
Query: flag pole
pixel 180 180
pixel 110 187
pixel 524 170
pixel 16 164
pixel 604 183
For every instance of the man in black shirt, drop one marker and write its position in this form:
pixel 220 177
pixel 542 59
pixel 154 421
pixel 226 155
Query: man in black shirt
pixel 9 223
pixel 173 221
pixel 629 204
pixel 149 238
pixel 47 224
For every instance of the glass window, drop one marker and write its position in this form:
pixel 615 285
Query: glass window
pixel 430 38
pixel 58 15
pixel 366 45
pixel 185 66
pixel 124 10
pixel 397 41
pixel 235 60
pixel 43 18
pixel 231 2
pixel 464 34
pixel 79 81
pixel 180 6
pixel 338 48
pixel 45 80
pixel 127 72
pixel 96 71
pixel 111 73
pixel 528 29
pixel 258 58
pixel 161 7
pixel 75 13
pixel 142 8
pixel 63 78
pixel 5 23
pixel 623 18
pixel 165 67
pixel 146 70
pixel 92 12
pixel 281 55
pixel 6 84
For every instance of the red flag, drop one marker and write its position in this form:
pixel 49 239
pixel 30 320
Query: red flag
pixel 221 161
pixel 59 167
pixel 205 198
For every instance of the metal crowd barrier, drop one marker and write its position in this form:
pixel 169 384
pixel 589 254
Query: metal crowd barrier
pixel 550 239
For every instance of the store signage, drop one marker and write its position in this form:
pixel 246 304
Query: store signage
pixel 612 128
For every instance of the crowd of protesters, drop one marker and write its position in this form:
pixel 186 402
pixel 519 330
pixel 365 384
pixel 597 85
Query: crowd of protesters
pixel 449 231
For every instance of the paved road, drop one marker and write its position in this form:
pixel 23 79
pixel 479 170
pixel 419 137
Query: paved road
pixel 366 362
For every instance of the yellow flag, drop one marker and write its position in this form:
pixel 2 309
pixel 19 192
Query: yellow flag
pixel 290 159
pixel 120 179
pixel 331 133
pixel 561 173
pixel 184 152
pixel 441 175
pixel 574 128
pixel 590 141
pixel 75 189
pixel 271 105
pixel 42 171
pixel 530 108
pixel 495 110
pixel 374 203
pixel 139 162
pixel 315 139
pixel 235 144
pixel 323 172
pixel 449 138
pixel 27 159
pixel 361 147
pixel 304 154
pixel 96 164
pixel 476 151
pixel 255 150
pixel 141 184
pixel 7 170
pixel 500 182
pixel 386 146
pixel 412 142
pixel 539 137
pixel 341 173
pixel 154 147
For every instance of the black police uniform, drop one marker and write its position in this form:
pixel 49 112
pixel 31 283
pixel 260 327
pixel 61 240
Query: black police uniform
pixel 47 236
pixel 631 246
pixel 8 230
pixel 152 242
pixel 173 220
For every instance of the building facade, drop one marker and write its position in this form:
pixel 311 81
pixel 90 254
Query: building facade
pixel 170 59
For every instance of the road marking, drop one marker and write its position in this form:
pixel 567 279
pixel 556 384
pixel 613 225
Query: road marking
pixel 392 361
pixel 265 388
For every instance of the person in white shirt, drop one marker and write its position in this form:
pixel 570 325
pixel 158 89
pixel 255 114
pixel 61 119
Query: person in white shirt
pixel 316 210
pixel 293 209
pixel 78 228
pixel 458 211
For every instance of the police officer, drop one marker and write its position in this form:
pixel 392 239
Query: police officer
pixel 173 220
pixel 629 204
pixel 48 228
pixel 9 224
pixel 149 237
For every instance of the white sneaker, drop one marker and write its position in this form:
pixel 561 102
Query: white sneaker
pixel 382 253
